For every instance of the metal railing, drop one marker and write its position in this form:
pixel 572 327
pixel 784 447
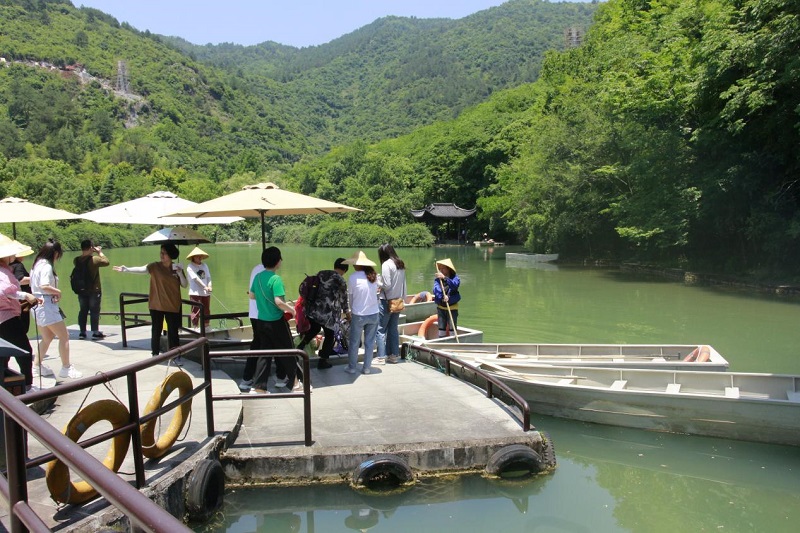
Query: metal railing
pixel 20 419
pixel 306 394
pixel 129 320
pixel 490 381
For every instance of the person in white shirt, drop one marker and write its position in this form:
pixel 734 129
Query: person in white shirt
pixel 199 284
pixel 362 292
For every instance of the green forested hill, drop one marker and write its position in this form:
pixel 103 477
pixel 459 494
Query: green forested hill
pixel 397 74
pixel 672 135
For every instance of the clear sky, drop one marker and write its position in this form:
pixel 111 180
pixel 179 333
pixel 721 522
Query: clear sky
pixel 292 22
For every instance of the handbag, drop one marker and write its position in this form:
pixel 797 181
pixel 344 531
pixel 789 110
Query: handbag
pixel 61 312
pixel 396 305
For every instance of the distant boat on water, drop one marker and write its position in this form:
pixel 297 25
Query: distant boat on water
pixel 517 258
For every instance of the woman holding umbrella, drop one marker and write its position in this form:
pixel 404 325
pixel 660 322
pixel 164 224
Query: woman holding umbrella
pixel 166 280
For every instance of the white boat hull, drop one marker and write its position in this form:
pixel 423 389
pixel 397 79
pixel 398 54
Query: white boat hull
pixel 652 356
pixel 744 406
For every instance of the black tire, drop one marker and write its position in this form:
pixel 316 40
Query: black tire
pixel 382 471
pixel 548 451
pixel 515 461
pixel 205 490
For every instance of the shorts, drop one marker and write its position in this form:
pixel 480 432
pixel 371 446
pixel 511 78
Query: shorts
pixel 47 313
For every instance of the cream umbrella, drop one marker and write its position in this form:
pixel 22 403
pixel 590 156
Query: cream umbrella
pixel 150 210
pixel 175 236
pixel 13 210
pixel 263 200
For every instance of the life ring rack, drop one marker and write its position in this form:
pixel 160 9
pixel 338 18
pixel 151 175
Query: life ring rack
pixel 152 448
pixel 62 489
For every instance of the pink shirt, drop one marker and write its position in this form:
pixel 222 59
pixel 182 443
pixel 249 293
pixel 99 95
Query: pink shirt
pixel 10 295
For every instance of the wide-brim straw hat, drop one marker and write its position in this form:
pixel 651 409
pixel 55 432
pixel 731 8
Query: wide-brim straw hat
pixel 197 251
pixel 9 247
pixel 446 262
pixel 359 259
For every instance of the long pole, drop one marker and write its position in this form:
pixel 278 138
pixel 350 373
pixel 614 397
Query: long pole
pixel 446 303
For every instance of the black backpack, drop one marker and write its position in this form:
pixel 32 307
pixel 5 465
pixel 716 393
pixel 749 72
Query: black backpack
pixel 308 288
pixel 81 277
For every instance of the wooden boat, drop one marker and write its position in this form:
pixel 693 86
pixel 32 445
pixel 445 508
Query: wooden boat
pixel 427 331
pixel 530 258
pixel 652 356
pixel 743 406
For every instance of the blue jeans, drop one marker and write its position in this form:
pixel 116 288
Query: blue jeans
pixel 368 324
pixel 89 304
pixel 388 335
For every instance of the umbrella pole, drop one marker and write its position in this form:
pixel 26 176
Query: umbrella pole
pixel 14 230
pixel 263 232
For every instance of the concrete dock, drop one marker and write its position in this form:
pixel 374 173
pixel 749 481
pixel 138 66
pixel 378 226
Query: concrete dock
pixel 433 422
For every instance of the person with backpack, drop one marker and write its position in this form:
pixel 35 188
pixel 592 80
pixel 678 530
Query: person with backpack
pixel 85 280
pixel 324 300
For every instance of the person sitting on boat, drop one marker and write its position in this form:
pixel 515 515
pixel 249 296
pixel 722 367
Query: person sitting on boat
pixel 446 295
pixel 325 310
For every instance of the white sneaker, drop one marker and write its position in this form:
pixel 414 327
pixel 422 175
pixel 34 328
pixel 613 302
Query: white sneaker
pixel 46 371
pixel 245 384
pixel 69 372
pixel 379 361
pixel 299 387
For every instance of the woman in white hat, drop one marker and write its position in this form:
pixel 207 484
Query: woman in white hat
pixel 362 292
pixel 11 327
pixel 446 296
pixel 199 283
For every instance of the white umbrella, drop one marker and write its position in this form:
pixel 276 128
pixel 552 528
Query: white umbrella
pixel 175 236
pixel 150 209
pixel 13 210
pixel 263 200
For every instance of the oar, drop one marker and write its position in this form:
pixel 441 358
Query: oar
pixel 449 312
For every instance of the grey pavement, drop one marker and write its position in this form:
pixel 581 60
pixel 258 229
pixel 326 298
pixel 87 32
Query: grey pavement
pixel 408 408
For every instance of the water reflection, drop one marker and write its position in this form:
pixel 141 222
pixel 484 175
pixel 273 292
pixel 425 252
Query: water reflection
pixel 338 507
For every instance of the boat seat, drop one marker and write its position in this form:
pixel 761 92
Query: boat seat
pixel 673 388
pixel 619 384
pixel 566 381
pixel 793 396
pixel 731 392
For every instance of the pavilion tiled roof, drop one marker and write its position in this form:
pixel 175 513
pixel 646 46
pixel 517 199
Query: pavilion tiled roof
pixel 442 211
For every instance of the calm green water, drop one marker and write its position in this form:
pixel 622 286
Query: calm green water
pixel 608 479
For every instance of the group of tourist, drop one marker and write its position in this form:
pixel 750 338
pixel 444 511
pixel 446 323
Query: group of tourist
pixel 366 306
pixel 369 303
pixel 39 290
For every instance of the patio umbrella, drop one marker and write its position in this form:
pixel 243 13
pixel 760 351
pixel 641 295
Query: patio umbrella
pixel 175 236
pixel 263 200
pixel 149 210
pixel 13 210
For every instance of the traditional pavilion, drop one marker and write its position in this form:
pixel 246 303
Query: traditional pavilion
pixel 448 220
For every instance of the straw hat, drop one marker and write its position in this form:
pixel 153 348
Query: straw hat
pixel 197 251
pixel 447 263
pixel 9 247
pixel 359 259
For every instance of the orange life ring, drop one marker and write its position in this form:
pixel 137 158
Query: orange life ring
pixel 61 489
pixel 151 448
pixel 425 326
